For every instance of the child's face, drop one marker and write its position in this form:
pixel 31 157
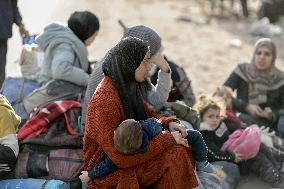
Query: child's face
pixel 212 117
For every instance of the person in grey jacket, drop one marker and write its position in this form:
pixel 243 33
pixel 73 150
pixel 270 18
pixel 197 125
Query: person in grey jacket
pixel 65 52
pixel 156 95
pixel 65 69
pixel 9 14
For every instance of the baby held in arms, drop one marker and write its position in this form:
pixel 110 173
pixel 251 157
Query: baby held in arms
pixel 133 137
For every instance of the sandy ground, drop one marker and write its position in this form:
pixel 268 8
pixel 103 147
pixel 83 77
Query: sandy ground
pixel 202 48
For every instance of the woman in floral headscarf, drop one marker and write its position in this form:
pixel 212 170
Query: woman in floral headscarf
pixel 118 97
pixel 260 88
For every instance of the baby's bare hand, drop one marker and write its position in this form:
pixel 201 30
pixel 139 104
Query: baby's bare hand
pixel 178 138
pixel 85 177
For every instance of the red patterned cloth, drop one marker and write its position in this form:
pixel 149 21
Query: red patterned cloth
pixel 38 124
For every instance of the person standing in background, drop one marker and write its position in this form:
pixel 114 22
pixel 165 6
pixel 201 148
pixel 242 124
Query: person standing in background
pixel 9 14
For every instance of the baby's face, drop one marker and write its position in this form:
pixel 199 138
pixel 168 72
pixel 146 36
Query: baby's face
pixel 212 117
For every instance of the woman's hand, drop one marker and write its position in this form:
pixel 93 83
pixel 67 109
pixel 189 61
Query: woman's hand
pixel 160 62
pixel 179 139
pixel 85 177
pixel 254 110
pixel 174 126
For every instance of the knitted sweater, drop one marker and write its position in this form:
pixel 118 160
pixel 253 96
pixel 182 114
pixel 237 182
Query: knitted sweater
pixel 164 165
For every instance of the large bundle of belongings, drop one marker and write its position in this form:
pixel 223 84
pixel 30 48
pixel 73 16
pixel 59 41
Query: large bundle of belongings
pixel 50 144
pixel 49 135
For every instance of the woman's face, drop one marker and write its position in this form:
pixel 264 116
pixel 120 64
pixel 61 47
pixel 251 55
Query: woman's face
pixel 263 58
pixel 142 71
pixel 91 39
pixel 212 117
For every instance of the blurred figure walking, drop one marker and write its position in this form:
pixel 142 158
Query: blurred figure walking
pixel 9 14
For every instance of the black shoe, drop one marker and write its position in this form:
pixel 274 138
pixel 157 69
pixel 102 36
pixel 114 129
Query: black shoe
pixel 278 143
pixel 278 154
pixel 277 185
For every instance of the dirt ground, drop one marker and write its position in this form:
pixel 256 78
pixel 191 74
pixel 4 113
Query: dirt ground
pixel 208 51
pixel 203 49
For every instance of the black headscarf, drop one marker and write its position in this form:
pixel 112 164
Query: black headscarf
pixel 120 65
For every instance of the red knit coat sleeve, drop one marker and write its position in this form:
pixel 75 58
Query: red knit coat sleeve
pixel 105 113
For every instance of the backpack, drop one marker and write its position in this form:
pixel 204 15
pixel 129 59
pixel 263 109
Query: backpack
pixel 53 90
pixel 50 143
pixel 56 124
pixel 244 141
pixel 38 161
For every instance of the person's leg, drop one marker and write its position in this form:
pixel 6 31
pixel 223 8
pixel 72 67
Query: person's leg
pixel 262 166
pixel 3 54
pixel 175 165
pixel 246 118
pixel 245 8
pixel 198 146
pixel 273 155
pixel 199 151
pixel 280 126
pixel 249 120
pixel 7 162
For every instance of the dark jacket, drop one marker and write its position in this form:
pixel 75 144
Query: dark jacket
pixel 275 98
pixel 216 138
pixel 9 14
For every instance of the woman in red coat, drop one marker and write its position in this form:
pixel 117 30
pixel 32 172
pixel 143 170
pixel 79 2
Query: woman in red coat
pixel 119 96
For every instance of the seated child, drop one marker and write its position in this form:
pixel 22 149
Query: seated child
pixel 133 137
pixel 226 94
pixel 216 129
pixel 9 147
